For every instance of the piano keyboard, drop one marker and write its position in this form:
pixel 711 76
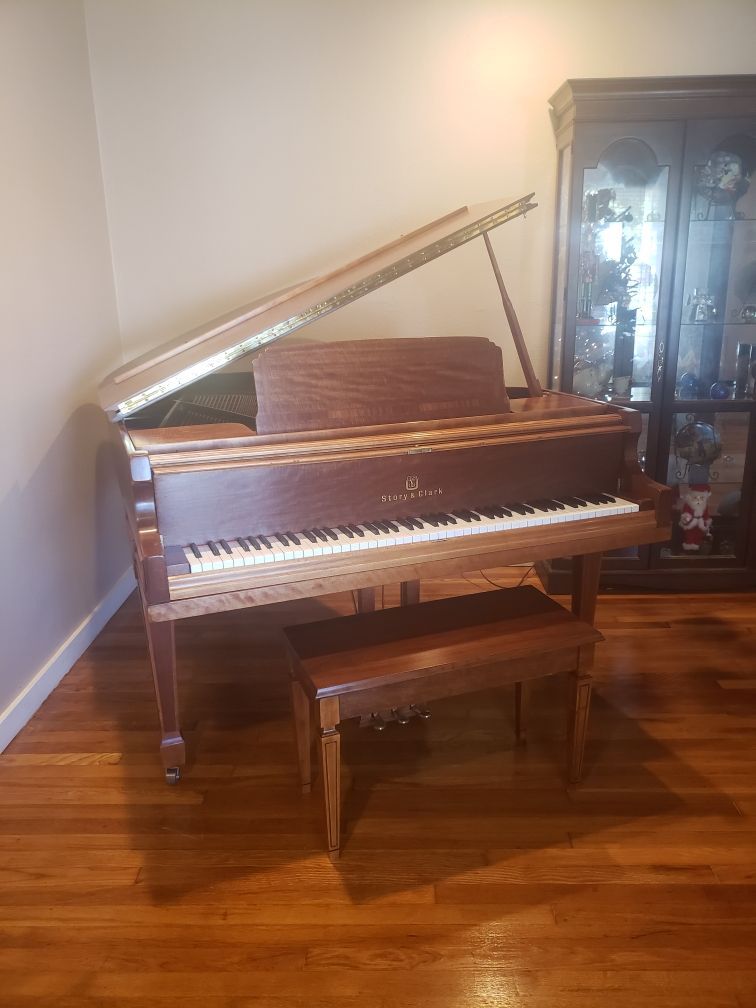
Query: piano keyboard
pixel 251 550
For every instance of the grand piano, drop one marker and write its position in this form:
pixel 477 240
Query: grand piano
pixel 256 469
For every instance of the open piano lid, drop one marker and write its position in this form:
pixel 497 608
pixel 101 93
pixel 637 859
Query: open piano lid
pixel 160 372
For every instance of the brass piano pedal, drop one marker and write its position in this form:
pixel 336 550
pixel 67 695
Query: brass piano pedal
pixel 402 714
pixel 419 711
pixel 374 721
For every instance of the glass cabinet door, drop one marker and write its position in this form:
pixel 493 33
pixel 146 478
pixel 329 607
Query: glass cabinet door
pixel 716 356
pixel 624 200
pixel 707 465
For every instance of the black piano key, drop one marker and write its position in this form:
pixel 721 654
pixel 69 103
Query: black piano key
pixel 309 535
pixel 357 531
pixel 392 526
pixel 406 523
pixel 442 520
pixel 226 547
pixel 331 534
pixel 371 527
pixel 254 543
pixel 193 548
pixel 415 523
pixel 468 515
pixel 540 506
pixel 519 509
pixel 321 535
pixel 487 513
pixel 451 519
pixel 265 541
pixel 503 512
pixel 607 498
pixel 293 538
pixel 244 545
pixel 430 520
pixel 593 498
pixel 573 502
pixel 382 526
pixel 347 531
pixel 213 549
pixel 281 538
pixel 559 504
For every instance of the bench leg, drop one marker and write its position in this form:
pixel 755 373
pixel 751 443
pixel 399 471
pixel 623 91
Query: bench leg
pixel 300 708
pixel 365 600
pixel 409 593
pixel 521 704
pixel 580 682
pixel 330 767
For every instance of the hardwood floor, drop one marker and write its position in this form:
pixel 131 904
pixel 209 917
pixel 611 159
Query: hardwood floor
pixel 470 875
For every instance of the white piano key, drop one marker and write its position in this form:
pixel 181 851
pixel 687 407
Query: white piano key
pixel 279 551
pixel 210 561
pixel 195 563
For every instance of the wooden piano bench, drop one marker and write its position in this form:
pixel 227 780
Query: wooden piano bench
pixel 350 666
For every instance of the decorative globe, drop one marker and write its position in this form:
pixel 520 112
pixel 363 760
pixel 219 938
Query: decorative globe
pixel 698 443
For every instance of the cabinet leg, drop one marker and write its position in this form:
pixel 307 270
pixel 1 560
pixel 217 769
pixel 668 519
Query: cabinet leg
pixel 300 707
pixel 160 639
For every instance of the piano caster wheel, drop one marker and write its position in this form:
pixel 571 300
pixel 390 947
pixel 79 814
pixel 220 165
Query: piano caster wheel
pixel 402 714
pixel 172 775
pixel 422 712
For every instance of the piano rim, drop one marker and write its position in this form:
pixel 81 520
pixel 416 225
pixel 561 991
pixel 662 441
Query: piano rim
pixel 409 442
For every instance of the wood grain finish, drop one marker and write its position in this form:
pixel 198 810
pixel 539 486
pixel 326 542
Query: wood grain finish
pixel 322 386
pixel 280 312
pixel 470 873
pixel 352 666
pixel 239 485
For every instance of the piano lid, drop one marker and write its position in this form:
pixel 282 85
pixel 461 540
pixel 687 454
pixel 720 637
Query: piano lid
pixel 207 348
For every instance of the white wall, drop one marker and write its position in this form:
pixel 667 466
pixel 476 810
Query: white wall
pixel 247 144
pixel 63 547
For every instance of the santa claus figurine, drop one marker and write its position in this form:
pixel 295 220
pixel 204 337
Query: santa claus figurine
pixel 695 520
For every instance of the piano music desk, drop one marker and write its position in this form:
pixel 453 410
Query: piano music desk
pixel 350 666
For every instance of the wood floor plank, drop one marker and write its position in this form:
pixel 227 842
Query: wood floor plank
pixel 470 874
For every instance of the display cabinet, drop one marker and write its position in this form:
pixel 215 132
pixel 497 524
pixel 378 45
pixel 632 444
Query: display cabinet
pixel 654 303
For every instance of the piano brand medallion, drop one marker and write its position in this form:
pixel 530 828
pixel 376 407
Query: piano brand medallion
pixel 412 491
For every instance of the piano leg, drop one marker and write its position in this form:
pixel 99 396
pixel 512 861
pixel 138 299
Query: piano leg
pixel 586 571
pixel 160 639
pixel 409 593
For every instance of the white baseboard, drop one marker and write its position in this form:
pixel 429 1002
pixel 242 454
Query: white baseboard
pixel 20 710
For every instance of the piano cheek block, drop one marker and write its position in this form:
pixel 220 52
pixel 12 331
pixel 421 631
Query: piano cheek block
pixel 175 561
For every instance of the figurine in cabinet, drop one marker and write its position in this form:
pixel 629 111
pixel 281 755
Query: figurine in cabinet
pixel 695 520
